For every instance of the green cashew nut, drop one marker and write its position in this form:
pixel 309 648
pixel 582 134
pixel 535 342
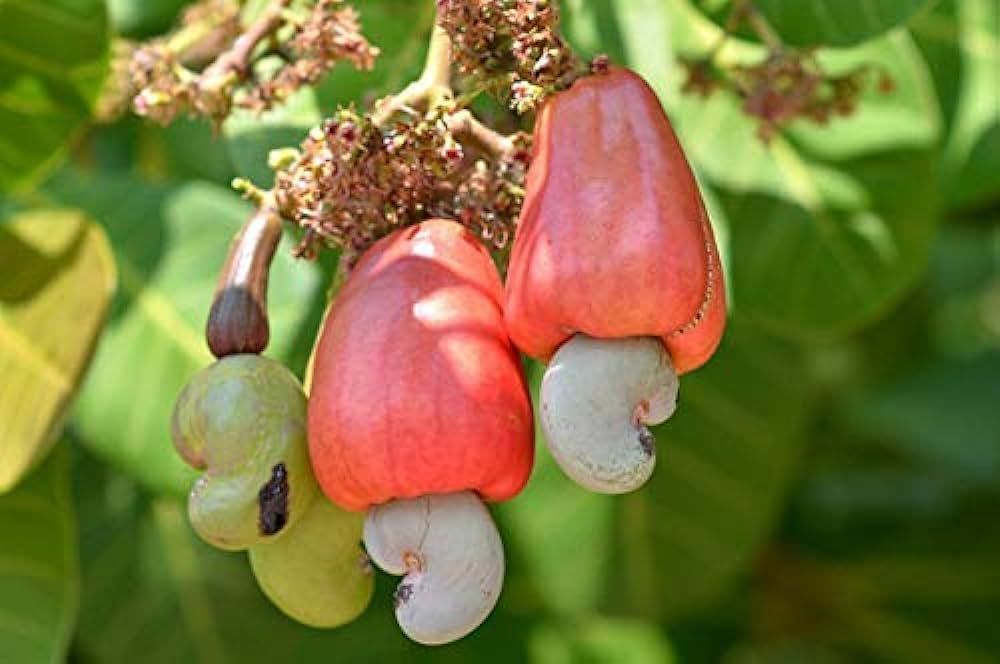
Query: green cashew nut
pixel 243 421
pixel 317 573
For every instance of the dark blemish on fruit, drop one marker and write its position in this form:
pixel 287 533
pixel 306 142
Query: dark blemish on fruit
pixel 648 441
pixel 402 594
pixel 273 499
pixel 677 396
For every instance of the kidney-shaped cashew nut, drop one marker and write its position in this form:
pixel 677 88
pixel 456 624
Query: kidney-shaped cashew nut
pixel 597 397
pixel 450 554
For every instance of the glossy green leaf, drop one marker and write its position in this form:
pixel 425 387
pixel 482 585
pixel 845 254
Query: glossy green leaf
pixel 848 209
pixel 39 574
pixel 724 462
pixel 601 640
pixel 53 57
pixel 934 415
pixel 138 19
pixel 170 245
pixel 194 151
pixel 936 33
pixel 58 279
pixel 972 157
pixel 250 137
pixel 893 527
pixel 836 22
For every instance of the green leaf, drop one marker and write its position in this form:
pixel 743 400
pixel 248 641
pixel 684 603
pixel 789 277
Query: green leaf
pixel 893 531
pixel 53 58
pixel 601 640
pixel 959 39
pixel 138 19
pixel 936 32
pixel 724 463
pixel 170 245
pixel 851 262
pixel 592 26
pixel 836 22
pixel 187 602
pixel 935 414
pixel 59 276
pixel 548 526
pixel 38 566
pixel 249 137
pixel 192 150
pixel 972 157
pixel 848 209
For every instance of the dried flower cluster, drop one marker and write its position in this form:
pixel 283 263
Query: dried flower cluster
pixel 164 74
pixel 353 182
pixel 329 35
pixel 513 46
pixel 116 93
pixel 785 86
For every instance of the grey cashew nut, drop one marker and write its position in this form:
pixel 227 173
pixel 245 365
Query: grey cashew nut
pixel 450 554
pixel 597 398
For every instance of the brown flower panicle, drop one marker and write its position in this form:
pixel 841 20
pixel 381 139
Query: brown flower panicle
pixel 512 44
pixel 786 86
pixel 207 67
pixel 352 182
pixel 328 36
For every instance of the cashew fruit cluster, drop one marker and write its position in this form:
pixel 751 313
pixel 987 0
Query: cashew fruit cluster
pixel 419 414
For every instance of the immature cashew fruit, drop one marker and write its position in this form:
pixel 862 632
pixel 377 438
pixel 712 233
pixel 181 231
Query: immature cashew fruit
pixel 419 410
pixel 613 243
pixel 317 573
pixel 242 420
pixel 450 553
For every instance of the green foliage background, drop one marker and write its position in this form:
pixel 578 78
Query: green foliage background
pixel 828 491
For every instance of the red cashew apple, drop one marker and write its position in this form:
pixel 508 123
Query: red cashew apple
pixel 614 276
pixel 419 410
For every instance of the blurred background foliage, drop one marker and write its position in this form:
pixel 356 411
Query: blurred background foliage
pixel 828 491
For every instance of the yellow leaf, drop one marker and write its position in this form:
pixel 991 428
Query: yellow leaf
pixel 58 276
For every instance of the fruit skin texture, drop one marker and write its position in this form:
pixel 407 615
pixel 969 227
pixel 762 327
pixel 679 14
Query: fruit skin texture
pixel 317 573
pixel 416 388
pixel 239 420
pixel 613 240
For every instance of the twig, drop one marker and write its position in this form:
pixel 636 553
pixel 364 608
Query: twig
pixel 760 26
pixel 237 59
pixel 433 86
pixel 463 124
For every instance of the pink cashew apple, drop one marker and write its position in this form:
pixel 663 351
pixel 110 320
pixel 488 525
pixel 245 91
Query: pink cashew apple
pixel 419 411
pixel 614 277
